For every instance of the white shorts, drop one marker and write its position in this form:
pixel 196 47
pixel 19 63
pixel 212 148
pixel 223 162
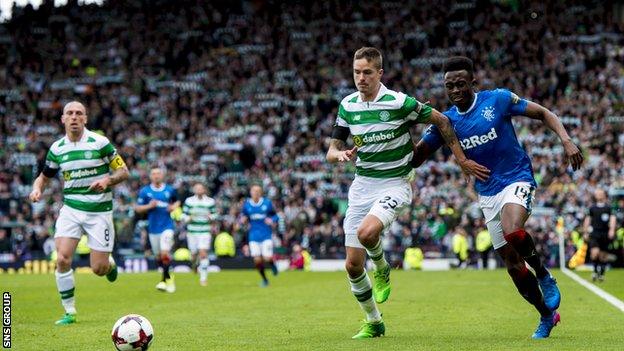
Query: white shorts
pixel 380 198
pixel 261 248
pixel 521 193
pixel 198 242
pixel 161 242
pixel 98 226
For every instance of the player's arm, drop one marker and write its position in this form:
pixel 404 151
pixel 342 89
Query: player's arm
pixel 422 152
pixel 39 185
pixel 50 169
pixel 586 225
pixel 446 130
pixel 118 167
pixel 612 226
pixel 336 152
pixel 573 154
pixel 174 203
pixel 142 206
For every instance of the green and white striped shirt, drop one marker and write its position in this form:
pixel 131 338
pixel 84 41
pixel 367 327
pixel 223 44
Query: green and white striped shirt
pixel 81 163
pixel 380 130
pixel 200 212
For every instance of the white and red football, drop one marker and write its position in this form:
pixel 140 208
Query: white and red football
pixel 132 332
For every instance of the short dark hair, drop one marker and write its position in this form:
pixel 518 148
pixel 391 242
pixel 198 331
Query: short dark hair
pixel 458 63
pixel 370 54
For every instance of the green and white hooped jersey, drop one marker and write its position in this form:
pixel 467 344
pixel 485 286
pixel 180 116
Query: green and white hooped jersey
pixel 81 163
pixel 380 130
pixel 200 212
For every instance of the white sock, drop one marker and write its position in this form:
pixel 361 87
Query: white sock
pixel 65 286
pixel 377 256
pixel 363 291
pixel 203 269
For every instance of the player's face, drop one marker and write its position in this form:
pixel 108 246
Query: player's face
pixel 458 85
pixel 366 76
pixel 256 192
pixel 199 190
pixel 156 176
pixel 74 117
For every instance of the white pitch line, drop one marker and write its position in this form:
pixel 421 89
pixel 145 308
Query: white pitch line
pixel 596 290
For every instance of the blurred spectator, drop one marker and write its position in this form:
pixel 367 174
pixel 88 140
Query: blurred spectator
pixel 234 93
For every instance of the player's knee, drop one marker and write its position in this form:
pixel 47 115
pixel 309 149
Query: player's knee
pixel 367 235
pixel 63 261
pixel 354 269
pixel 100 268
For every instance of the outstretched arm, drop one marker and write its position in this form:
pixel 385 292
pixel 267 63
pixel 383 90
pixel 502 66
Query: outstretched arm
pixel 573 154
pixel 446 130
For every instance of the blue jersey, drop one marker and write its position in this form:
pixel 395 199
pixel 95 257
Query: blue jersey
pixel 257 213
pixel 487 136
pixel 158 218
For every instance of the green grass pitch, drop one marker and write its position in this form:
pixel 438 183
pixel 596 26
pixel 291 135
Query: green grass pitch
pixel 454 310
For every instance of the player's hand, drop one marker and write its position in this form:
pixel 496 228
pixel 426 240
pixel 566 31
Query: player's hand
pixel 611 235
pixel 347 155
pixel 100 185
pixel 470 167
pixel 573 155
pixel 268 221
pixel 35 195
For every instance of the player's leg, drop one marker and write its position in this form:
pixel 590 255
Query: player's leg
pixel 513 217
pixel 65 248
pixel 203 243
pixel 362 290
pixel 516 201
pixel 360 283
pixel 192 243
pixel 166 244
pixel 527 286
pixel 101 240
pixel 155 244
pixel 67 234
pixel 267 255
pixel 382 213
pixel 255 249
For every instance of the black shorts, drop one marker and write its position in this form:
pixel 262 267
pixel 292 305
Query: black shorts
pixel 600 240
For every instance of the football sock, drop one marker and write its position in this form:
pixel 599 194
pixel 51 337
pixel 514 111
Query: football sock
pixel 65 286
pixel 523 243
pixel 377 256
pixel 260 268
pixel 527 286
pixel 363 291
pixel 166 262
pixel 203 268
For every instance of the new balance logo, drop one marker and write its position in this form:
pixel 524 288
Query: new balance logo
pixel 477 140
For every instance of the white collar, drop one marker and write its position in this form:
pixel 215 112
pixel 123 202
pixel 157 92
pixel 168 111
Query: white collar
pixel 382 91
pixel 161 188
pixel 474 103
pixel 251 201
pixel 83 138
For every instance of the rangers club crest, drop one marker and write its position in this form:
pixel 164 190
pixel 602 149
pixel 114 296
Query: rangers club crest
pixel 488 113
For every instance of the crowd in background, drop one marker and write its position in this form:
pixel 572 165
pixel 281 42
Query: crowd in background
pixel 235 93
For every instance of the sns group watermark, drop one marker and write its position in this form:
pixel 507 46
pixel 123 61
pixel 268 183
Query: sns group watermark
pixel 6 320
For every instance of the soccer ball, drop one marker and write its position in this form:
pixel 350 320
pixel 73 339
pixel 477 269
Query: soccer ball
pixel 132 332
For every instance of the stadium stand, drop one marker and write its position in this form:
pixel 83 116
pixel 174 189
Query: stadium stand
pixel 233 93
